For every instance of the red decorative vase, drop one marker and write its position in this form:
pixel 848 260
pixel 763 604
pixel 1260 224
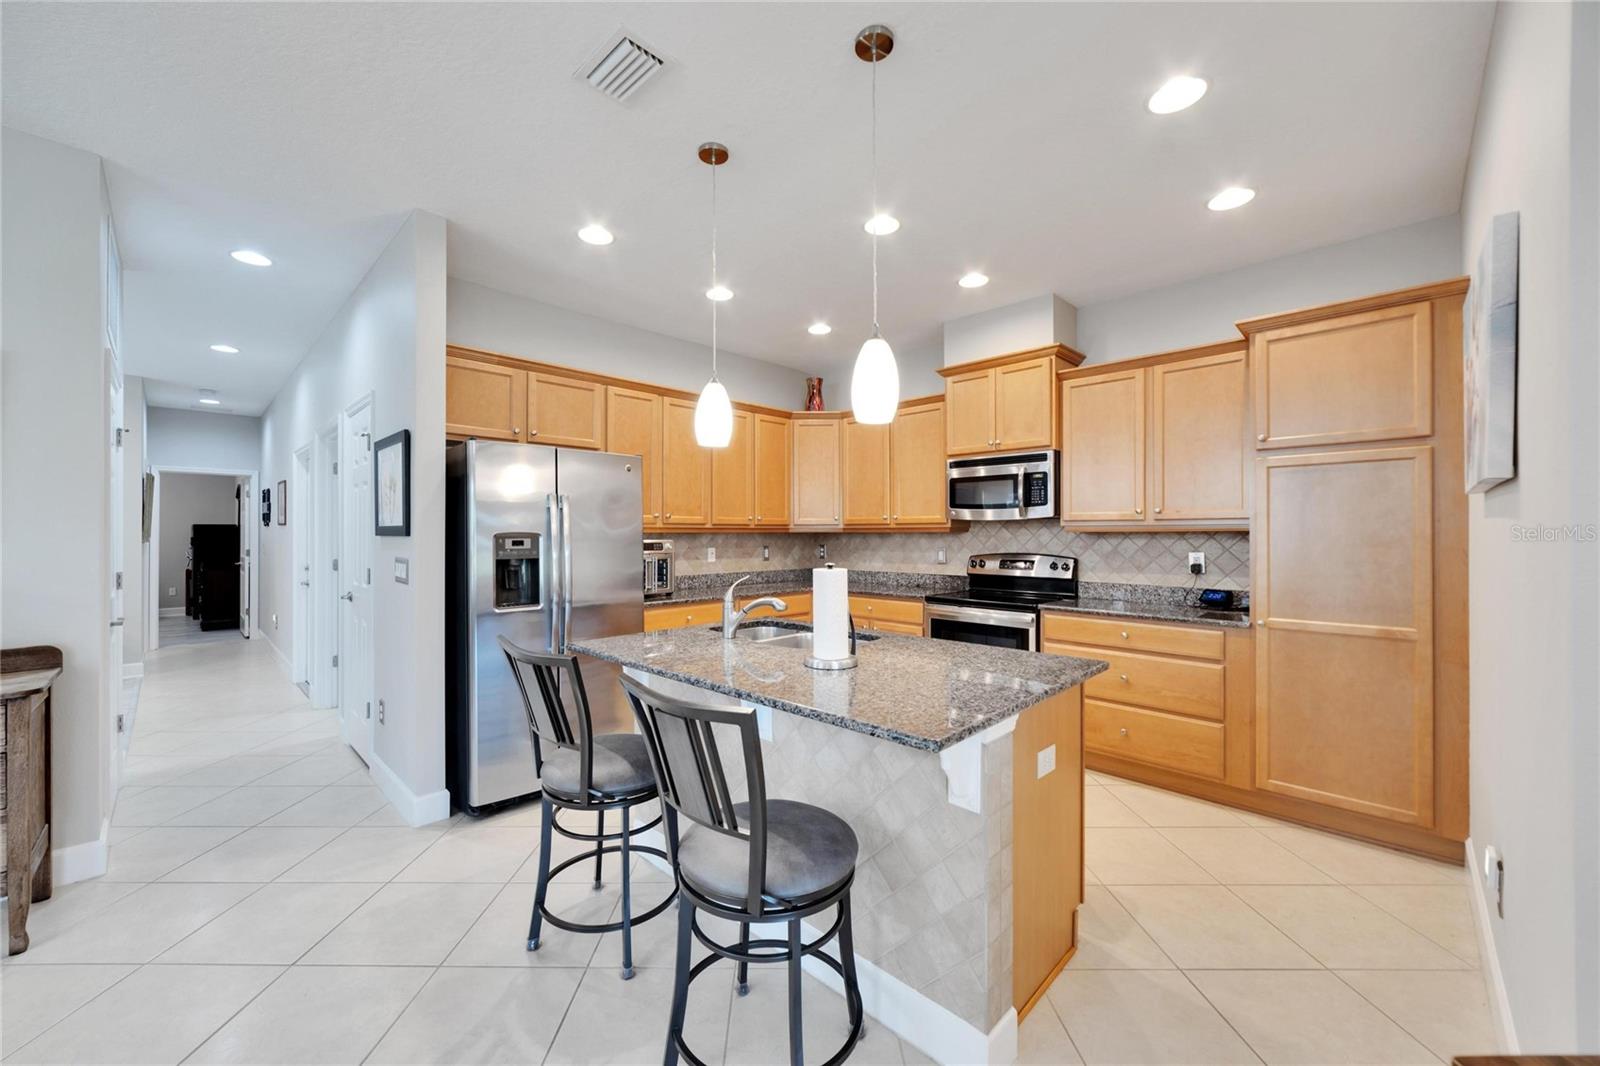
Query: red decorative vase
pixel 814 394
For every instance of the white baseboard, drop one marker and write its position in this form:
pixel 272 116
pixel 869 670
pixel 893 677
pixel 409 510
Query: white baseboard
pixel 132 670
pixel 171 612
pixel 80 862
pixel 277 653
pixel 415 809
pixel 1499 1001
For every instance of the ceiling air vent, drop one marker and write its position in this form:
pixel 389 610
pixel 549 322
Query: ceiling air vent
pixel 623 68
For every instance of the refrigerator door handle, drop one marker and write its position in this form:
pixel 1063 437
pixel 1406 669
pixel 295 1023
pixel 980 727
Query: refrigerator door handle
pixel 564 505
pixel 551 509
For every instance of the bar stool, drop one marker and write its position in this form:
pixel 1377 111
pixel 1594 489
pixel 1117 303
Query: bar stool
pixel 755 861
pixel 584 772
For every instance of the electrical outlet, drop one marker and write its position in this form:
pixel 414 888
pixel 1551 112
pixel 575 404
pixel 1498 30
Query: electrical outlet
pixel 1197 562
pixel 172 590
pixel 822 551
pixel 766 553
pixel 939 556
pixel 274 621
pixel 1494 877
pixel 711 555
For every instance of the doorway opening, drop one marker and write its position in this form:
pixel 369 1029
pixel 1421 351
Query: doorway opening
pixel 202 548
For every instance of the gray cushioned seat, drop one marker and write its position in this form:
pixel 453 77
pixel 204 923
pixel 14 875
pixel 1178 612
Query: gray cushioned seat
pixel 809 851
pixel 621 767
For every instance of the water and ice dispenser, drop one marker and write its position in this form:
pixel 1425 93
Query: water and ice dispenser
pixel 516 571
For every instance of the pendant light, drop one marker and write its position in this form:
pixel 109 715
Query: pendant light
pixel 875 384
pixel 713 414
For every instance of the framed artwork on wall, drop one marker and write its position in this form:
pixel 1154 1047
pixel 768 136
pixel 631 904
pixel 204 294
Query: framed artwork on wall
pixel 1489 355
pixel 391 485
pixel 283 503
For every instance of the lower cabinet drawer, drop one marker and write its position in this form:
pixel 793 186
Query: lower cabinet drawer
pixel 870 610
pixel 909 629
pixel 1187 745
pixel 799 604
pixel 1181 686
pixel 678 615
pixel 1198 642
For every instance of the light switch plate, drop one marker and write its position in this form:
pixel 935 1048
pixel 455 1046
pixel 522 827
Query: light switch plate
pixel 711 555
pixel 939 556
pixel 1046 761
pixel 402 571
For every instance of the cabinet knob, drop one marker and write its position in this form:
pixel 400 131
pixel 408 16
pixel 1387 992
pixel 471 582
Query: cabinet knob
pixel 533 433
pixel 885 518
pixel 1138 510
pixel 749 518
pixel 1123 676
pixel 895 517
pixel 1158 510
pixel 669 514
pixel 1124 634
pixel 1261 436
pixel 835 518
pixel 516 429
pixel 1261 621
pixel 1124 732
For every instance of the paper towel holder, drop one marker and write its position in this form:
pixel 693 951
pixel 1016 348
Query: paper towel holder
pixel 848 662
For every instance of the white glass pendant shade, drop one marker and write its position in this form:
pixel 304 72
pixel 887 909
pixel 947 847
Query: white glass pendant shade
pixel 875 385
pixel 713 416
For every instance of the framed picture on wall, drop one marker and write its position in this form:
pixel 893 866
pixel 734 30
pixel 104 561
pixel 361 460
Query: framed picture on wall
pixel 391 485
pixel 283 503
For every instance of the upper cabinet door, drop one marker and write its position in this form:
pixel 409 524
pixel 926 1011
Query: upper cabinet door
pixel 1199 464
pixel 969 414
pixel 1360 377
pixel 483 400
pixel 733 477
pixel 917 466
pixel 567 412
pixel 685 467
pixel 1024 404
pixel 772 470
pixel 633 427
pixel 1102 448
pixel 816 473
pixel 865 469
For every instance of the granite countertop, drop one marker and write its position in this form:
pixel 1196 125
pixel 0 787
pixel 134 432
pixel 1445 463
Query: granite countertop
pixel 708 588
pixel 1151 610
pixel 925 694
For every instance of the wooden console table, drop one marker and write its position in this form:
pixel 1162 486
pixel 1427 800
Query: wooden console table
pixel 26 675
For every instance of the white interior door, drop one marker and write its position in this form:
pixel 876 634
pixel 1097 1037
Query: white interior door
pixel 355 580
pixel 300 530
pixel 244 489
pixel 326 542
pixel 114 519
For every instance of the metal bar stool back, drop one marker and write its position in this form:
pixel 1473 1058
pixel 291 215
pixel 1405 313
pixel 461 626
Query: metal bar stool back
pixel 747 860
pixel 584 772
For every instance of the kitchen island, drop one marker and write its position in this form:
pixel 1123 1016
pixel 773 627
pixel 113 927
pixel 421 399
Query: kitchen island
pixel 960 768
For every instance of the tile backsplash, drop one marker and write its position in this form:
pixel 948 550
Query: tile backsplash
pixel 1133 558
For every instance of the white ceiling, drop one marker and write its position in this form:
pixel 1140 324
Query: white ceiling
pixel 1013 139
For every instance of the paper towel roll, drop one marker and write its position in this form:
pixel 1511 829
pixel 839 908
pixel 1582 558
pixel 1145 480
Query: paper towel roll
pixel 830 613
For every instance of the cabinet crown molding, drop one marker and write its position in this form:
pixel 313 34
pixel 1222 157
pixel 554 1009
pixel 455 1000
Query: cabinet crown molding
pixel 1070 356
pixel 1415 294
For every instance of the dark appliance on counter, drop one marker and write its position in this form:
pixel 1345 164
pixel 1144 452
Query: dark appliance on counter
pixel 659 576
pixel 1219 599
pixel 1000 606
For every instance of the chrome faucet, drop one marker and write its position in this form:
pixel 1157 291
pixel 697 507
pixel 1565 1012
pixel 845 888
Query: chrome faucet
pixel 731 618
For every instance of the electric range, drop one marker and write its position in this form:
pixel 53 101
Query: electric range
pixel 1000 605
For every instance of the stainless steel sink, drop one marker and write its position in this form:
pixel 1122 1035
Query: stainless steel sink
pixel 782 636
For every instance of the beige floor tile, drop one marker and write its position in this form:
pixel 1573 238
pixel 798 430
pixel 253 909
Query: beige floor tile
pixel 500 936
pixel 1139 857
pixel 1242 856
pixel 1043 1041
pixel 758 1027
pixel 157 1015
pixel 140 770
pixel 655 942
pixel 1094 777
pixel 277 924
pixel 318 770
pixel 481 1015
pixel 1109 938
pixel 1160 808
pixel 33 998
pixel 258 854
pixel 245 806
pixel 363 854
pixel 1142 1016
pixel 1307 1017
pixel 1352 862
pixel 1101 808
pixel 343 806
pixel 473 854
pixel 155 805
pixel 1208 927
pixel 70 904
pixel 159 851
pixel 1447 1010
pixel 137 927
pixel 403 925
pixel 1345 931
pixel 612 1021
pixel 316 1014
pixel 1442 913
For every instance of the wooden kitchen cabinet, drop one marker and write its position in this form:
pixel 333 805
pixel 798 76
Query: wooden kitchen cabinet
pixel 1103 447
pixel 483 400
pixel 567 412
pixel 917 493
pixel 633 427
pixel 685 467
pixel 772 471
pixel 864 473
pixel 816 473
pixel 969 427
pixel 1025 404
pixel 733 476
pixel 1008 403
pixel 887 613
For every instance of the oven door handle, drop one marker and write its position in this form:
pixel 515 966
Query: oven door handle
pixel 983 616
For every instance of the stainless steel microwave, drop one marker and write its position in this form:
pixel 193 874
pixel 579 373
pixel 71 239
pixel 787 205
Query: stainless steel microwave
pixel 994 488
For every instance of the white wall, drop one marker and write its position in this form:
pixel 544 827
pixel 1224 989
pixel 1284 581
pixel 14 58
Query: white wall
pixel 1204 310
pixel 54 510
pixel 1533 603
pixel 204 440
pixel 188 500
pixel 1031 323
pixel 499 322
pixel 134 550
pixel 388 340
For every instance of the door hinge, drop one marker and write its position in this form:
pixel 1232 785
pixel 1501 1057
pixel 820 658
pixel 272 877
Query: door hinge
pixel 369 575
pixel 119 436
pixel 336 566
pixel 122 723
pixel 336 660
pixel 119 581
pixel 369 709
pixel 336 466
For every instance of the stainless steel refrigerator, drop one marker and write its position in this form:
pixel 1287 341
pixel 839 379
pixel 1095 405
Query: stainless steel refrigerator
pixel 542 546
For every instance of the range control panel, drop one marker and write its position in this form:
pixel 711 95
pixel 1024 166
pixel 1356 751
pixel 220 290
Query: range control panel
pixel 1060 567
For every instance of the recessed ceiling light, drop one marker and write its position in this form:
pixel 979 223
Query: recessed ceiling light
pixel 225 349
pixel 209 397
pixel 595 234
pixel 1177 94
pixel 973 280
pixel 881 225
pixel 719 293
pixel 819 329
pixel 1231 197
pixel 251 258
